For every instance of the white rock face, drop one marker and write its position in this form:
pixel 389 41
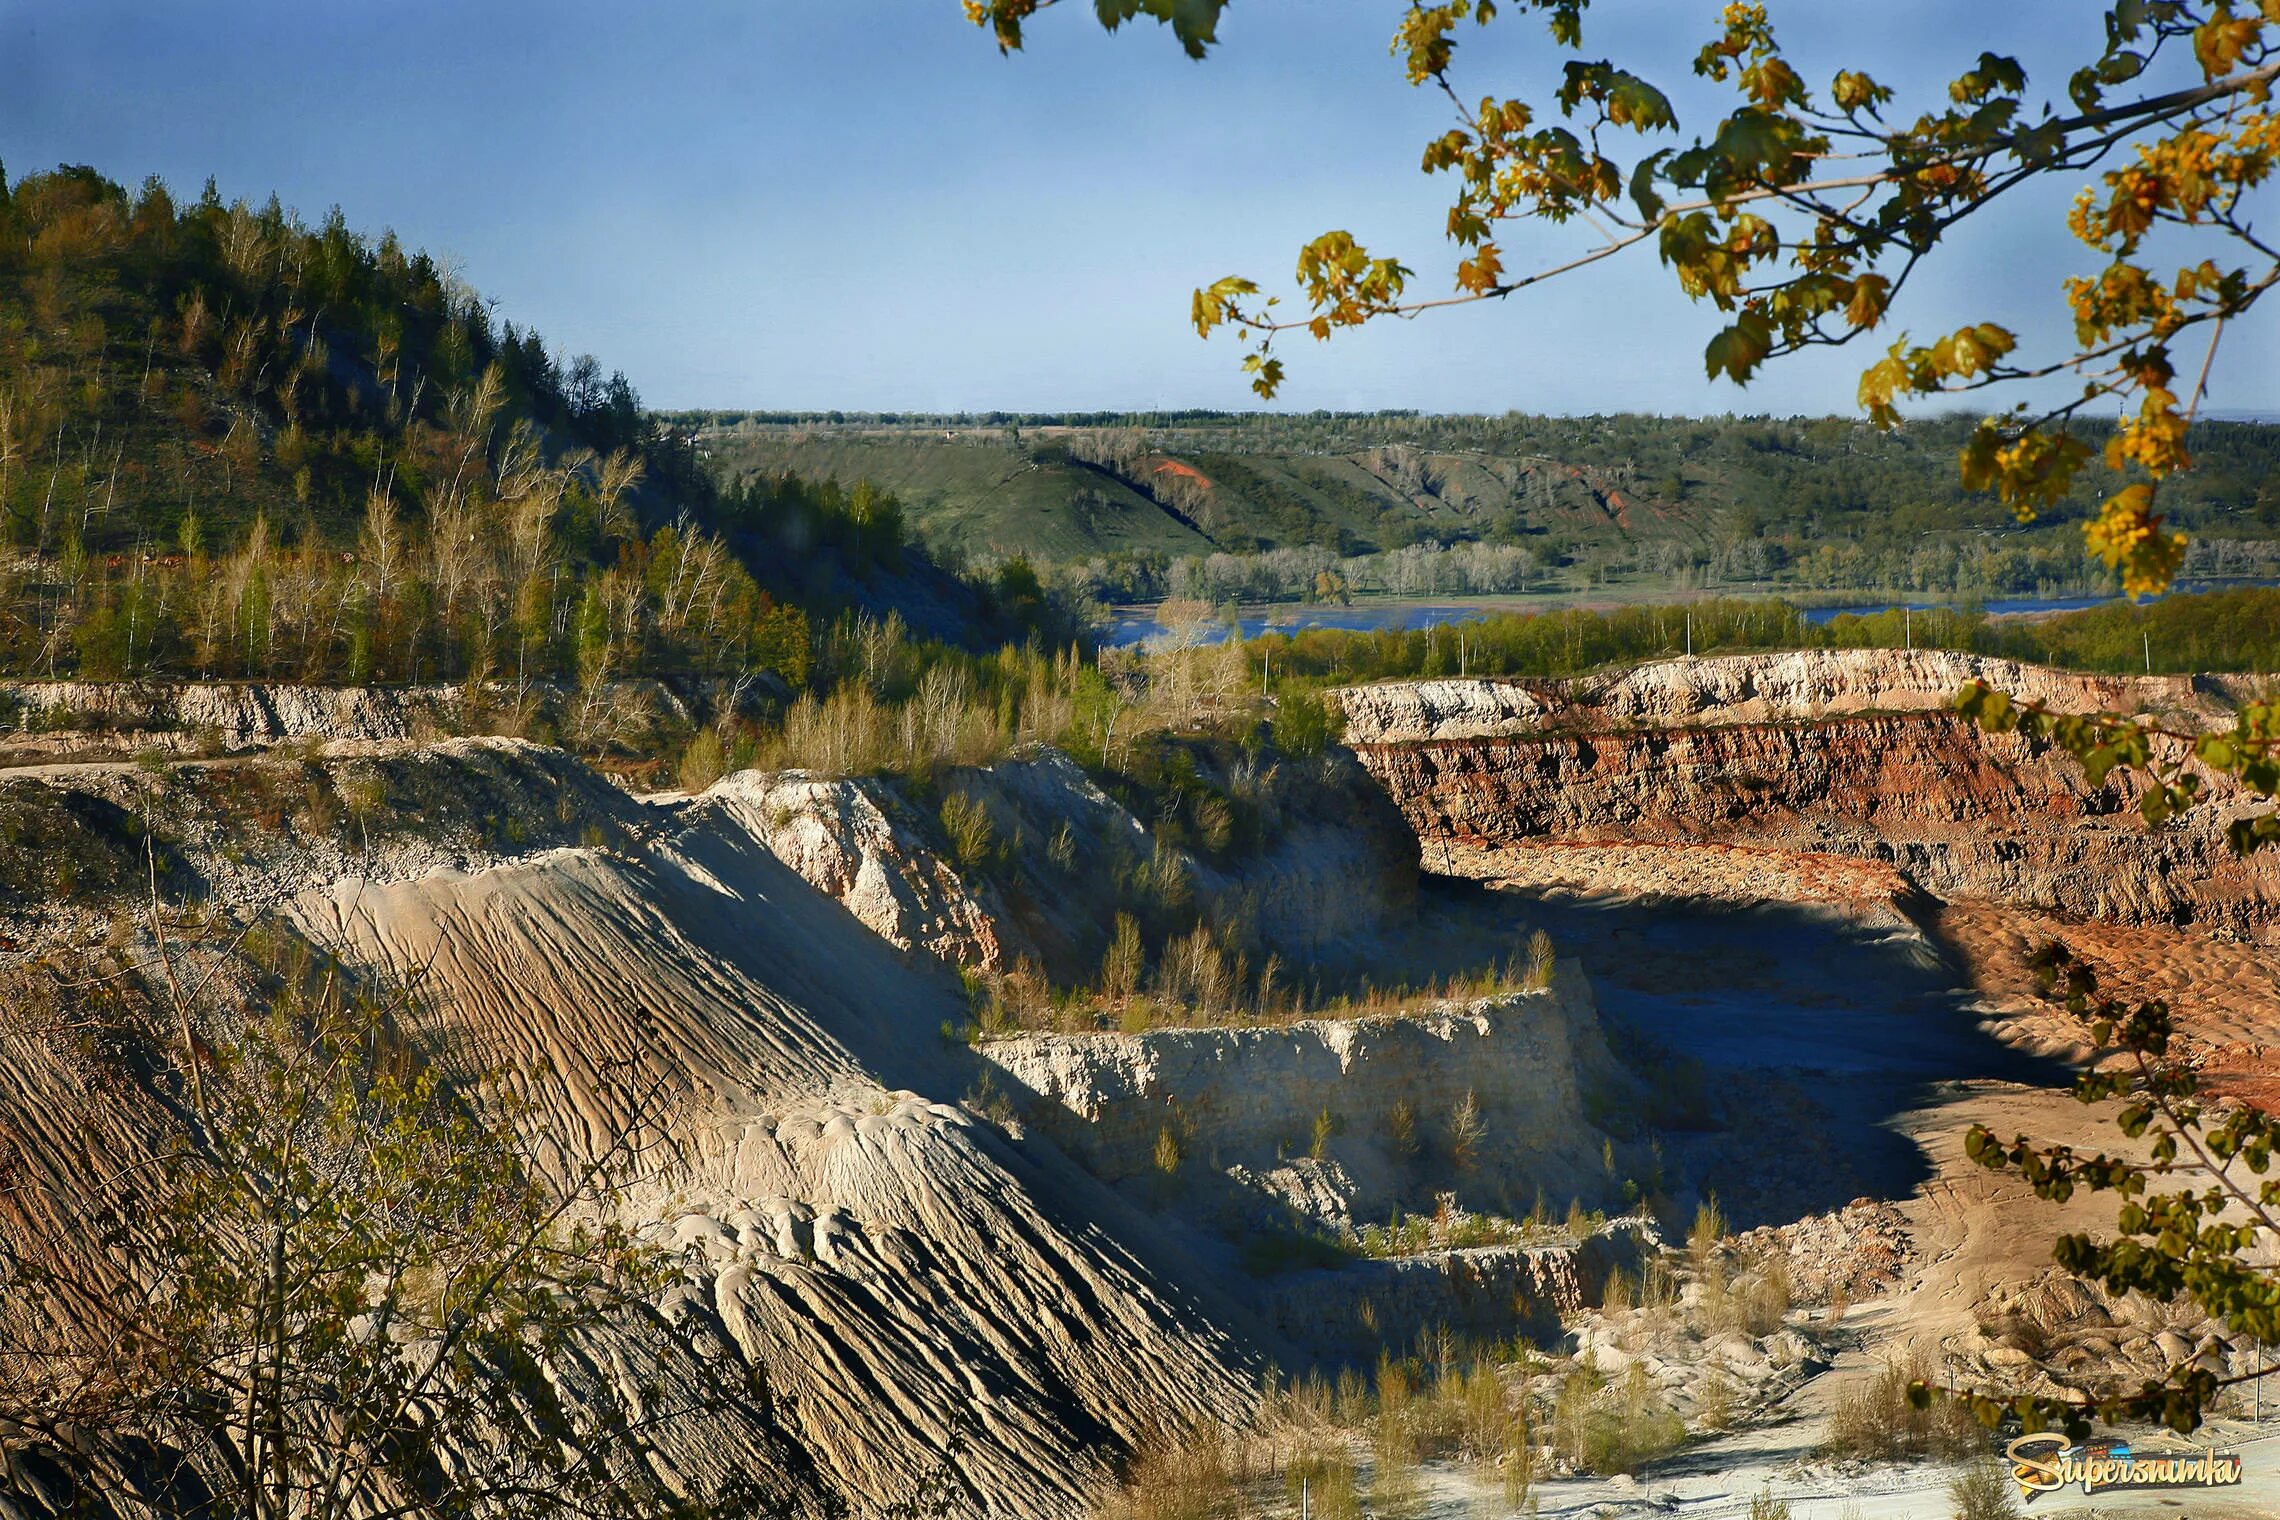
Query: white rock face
pixel 898 1280
pixel 1443 709
pixel 1248 1098
pixel 844 838
pixel 173 714
pixel 860 842
pixel 1756 688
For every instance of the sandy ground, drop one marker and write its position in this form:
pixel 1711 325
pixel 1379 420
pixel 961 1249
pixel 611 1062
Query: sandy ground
pixel 1885 1044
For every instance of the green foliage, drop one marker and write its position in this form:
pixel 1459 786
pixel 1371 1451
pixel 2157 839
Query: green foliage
pixel 363 477
pixel 1449 1228
pixel 1619 1435
pixel 703 762
pixel 1401 1131
pixel 1198 1473
pixel 1877 1417
pixel 1124 964
pixel 2213 631
pixel 1706 1236
pixel 1305 724
pixel 1271 1252
pixel 1320 1478
pixel 2195 1216
pixel 966 825
pixel 1167 1156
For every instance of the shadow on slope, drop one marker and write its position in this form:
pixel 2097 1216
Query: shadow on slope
pixel 1782 1042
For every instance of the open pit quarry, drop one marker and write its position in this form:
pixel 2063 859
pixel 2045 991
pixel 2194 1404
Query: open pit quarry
pixel 963 1266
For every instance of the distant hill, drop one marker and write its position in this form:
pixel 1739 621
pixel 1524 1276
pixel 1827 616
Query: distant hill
pixel 1820 501
pixel 233 444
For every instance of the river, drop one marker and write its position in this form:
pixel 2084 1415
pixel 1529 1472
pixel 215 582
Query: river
pixel 1134 625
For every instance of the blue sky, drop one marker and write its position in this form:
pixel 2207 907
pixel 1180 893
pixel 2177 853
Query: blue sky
pixel 859 204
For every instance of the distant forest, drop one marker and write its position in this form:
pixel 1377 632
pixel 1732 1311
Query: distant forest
pixel 2235 630
pixel 1316 506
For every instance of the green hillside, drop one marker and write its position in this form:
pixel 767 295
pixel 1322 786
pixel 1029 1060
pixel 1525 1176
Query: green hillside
pixel 1804 503
pixel 235 445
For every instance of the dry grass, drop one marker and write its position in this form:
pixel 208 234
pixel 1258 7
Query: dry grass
pixel 1201 1474
pixel 1984 1492
pixel 1450 1228
pixel 1873 1418
pixel 1204 978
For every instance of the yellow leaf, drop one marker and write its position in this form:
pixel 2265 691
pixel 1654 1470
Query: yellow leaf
pixel 1869 293
pixel 2127 535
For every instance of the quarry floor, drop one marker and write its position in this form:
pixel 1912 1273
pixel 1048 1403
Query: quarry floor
pixel 1853 1051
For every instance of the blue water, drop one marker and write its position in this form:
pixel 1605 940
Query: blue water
pixel 1131 626
pixel 1128 627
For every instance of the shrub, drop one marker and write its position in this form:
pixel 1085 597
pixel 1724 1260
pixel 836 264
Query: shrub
pixel 990 1101
pixel 1984 1492
pixel 1306 724
pixel 1765 1297
pixel 1518 1463
pixel 1764 1506
pixel 1200 1475
pixel 1466 1131
pixel 1620 1437
pixel 704 762
pixel 1123 965
pixel 1267 1253
pixel 1397 1493
pixel 1703 1241
pixel 1394 1435
pixel 1320 1479
pixel 1401 1131
pixel 1615 1442
pixel 1324 1127
pixel 1200 972
pixel 1541 959
pixel 1874 1417
pixel 1167 1151
pixel 967 828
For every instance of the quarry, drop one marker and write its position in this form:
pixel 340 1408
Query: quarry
pixel 1782 909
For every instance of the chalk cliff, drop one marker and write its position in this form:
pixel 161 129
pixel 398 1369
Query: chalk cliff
pixel 1831 756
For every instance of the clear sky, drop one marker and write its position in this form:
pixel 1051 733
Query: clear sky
pixel 859 204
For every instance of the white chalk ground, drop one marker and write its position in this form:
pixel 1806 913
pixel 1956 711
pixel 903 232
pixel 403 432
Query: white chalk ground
pixel 1719 1479
pixel 1744 1467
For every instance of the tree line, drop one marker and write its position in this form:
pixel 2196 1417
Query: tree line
pixel 2236 630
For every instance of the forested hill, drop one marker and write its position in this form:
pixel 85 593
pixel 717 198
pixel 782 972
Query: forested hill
pixel 232 444
pixel 1263 504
